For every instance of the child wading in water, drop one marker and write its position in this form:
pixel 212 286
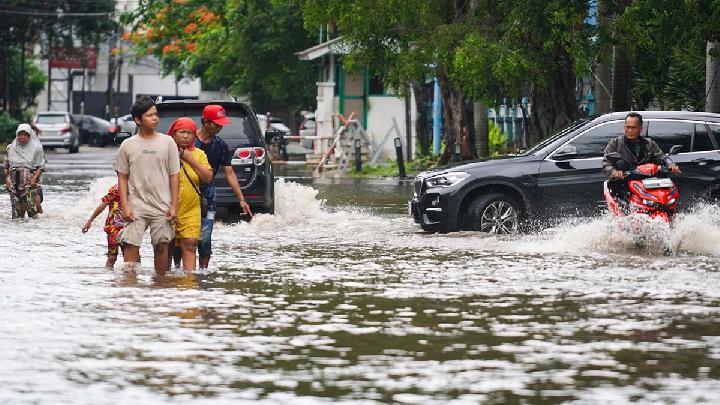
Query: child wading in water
pixel 113 223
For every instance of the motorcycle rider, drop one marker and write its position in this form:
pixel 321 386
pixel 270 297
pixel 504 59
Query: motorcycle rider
pixel 635 150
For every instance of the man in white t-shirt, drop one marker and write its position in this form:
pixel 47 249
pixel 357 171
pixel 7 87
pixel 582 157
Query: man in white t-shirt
pixel 147 164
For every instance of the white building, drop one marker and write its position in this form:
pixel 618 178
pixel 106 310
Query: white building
pixel 86 91
pixel 373 106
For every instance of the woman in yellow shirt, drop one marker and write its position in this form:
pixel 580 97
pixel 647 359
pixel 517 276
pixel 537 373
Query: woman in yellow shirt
pixel 195 168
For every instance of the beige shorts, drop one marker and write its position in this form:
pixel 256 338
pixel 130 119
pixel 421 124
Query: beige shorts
pixel 161 231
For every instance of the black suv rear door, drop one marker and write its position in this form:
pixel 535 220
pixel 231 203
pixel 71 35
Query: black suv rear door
pixel 699 159
pixel 570 178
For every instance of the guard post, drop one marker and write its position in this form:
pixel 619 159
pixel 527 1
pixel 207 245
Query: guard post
pixel 399 155
pixel 358 156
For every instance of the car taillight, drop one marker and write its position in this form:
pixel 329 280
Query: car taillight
pixel 66 129
pixel 259 156
pixel 113 129
pixel 244 153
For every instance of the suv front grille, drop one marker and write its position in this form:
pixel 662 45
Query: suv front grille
pixel 418 185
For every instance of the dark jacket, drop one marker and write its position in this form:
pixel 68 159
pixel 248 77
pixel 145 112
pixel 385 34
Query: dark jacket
pixel 650 152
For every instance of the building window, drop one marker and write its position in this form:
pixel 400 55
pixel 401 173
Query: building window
pixel 376 87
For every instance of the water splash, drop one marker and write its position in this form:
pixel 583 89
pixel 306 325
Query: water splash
pixel 301 217
pixel 698 231
pixel 693 232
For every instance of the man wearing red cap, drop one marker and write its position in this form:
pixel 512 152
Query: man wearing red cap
pixel 218 154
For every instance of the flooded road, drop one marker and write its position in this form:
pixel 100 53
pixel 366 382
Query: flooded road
pixel 338 297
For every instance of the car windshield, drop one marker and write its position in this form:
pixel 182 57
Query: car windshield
pixel 547 141
pixel 240 130
pixel 51 119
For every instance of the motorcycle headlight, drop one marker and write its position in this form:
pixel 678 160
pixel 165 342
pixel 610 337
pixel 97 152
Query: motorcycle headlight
pixel 446 179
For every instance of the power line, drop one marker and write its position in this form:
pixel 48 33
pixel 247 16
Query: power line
pixel 60 14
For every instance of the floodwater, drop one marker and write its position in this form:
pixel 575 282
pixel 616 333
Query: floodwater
pixel 339 298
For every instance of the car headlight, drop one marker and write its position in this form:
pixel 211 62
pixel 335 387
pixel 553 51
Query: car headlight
pixel 446 179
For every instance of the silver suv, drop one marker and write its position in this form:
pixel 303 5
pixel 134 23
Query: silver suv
pixel 58 130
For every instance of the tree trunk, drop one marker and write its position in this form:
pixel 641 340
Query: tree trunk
pixel 423 98
pixel 467 148
pixel 452 107
pixel 554 105
pixel 621 79
pixel 712 79
pixel 482 130
pixel 603 74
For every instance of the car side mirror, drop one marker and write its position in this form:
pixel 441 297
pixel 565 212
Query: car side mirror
pixel 121 136
pixel 676 149
pixel 273 136
pixel 565 152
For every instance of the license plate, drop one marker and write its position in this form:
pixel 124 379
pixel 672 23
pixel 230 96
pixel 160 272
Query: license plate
pixel 238 162
pixel 657 183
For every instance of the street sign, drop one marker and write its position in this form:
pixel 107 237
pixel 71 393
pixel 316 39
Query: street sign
pixel 75 58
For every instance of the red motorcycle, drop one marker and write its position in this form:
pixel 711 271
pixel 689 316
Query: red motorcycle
pixel 645 190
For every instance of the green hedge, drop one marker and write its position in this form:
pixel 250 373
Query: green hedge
pixel 8 125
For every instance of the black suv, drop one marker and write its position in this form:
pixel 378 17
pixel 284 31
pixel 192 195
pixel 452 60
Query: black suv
pixel 561 176
pixel 248 148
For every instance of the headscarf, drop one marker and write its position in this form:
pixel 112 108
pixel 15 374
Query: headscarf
pixel 184 123
pixel 29 155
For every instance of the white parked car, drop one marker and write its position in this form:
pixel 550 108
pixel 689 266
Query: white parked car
pixel 308 128
pixel 58 130
pixel 275 123
pixel 126 123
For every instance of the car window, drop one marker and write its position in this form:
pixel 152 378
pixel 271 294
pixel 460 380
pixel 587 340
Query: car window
pixel 669 133
pixel 562 132
pixel 701 140
pixel 240 130
pixel 592 143
pixel 51 119
pixel 715 132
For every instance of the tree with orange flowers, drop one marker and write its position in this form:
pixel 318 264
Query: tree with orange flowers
pixel 246 46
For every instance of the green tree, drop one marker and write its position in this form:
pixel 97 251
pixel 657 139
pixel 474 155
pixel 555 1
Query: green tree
pixel 49 24
pixel 478 49
pixel 666 46
pixel 246 46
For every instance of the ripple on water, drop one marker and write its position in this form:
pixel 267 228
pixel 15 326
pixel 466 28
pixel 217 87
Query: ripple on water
pixel 323 302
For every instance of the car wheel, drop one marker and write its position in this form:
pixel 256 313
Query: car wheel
pixel 75 148
pixel 95 140
pixel 493 213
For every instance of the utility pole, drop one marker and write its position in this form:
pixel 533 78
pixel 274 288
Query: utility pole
pixel 21 90
pixel 110 76
pixel 117 88
pixel 49 89
pixel 408 124
pixel 603 72
pixel 6 98
pixel 712 81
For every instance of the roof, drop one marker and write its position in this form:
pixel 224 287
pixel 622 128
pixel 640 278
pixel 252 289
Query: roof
pixel 333 46
pixel 688 115
pixel 199 104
